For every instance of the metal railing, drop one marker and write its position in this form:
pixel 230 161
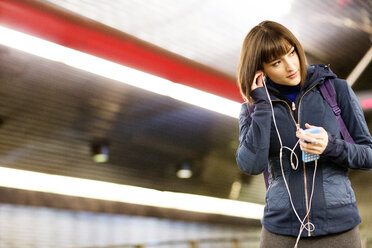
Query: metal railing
pixel 248 242
pixel 251 241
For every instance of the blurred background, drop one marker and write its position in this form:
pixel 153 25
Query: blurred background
pixel 88 156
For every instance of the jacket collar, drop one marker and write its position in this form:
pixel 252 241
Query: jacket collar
pixel 315 74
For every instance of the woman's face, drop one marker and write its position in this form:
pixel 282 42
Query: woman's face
pixel 284 70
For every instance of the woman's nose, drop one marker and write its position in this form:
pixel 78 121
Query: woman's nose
pixel 290 65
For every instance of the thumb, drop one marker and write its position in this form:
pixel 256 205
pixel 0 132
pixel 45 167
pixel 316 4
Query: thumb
pixel 307 125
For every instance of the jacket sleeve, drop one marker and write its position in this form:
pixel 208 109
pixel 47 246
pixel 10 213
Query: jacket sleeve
pixel 358 155
pixel 254 134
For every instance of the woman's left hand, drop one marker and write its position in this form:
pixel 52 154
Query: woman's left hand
pixel 317 142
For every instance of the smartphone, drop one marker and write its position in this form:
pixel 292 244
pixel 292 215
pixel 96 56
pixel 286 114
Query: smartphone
pixel 306 156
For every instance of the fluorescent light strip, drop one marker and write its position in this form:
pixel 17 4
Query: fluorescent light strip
pixel 35 181
pixel 115 192
pixel 108 69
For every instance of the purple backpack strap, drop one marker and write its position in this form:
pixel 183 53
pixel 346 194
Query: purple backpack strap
pixel 329 94
pixel 266 172
pixel 266 177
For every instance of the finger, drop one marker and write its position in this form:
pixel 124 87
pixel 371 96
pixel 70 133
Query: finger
pixel 309 137
pixel 254 83
pixel 314 144
pixel 260 79
pixel 310 149
pixel 307 125
pixel 313 151
pixel 318 135
pixel 305 145
pixel 257 80
pixel 320 138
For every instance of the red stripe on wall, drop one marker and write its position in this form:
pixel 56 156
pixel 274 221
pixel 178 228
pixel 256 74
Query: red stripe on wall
pixel 91 37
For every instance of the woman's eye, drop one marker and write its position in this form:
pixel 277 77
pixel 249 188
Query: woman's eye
pixel 276 63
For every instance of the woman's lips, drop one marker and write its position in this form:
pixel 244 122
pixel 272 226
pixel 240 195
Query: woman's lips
pixel 293 75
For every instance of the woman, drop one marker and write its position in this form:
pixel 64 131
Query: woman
pixel 313 201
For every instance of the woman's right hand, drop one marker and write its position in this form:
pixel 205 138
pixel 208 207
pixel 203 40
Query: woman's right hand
pixel 257 80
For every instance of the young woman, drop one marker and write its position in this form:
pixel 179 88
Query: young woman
pixel 313 201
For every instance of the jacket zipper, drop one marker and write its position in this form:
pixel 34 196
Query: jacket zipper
pixel 293 107
pixel 299 103
pixel 290 110
pixel 297 124
pixel 305 178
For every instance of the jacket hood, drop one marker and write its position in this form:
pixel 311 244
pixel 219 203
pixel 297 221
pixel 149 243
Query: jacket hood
pixel 316 73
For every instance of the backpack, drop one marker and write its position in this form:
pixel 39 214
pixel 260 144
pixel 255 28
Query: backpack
pixel 329 94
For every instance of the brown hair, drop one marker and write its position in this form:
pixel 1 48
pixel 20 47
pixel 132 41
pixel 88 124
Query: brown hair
pixel 264 43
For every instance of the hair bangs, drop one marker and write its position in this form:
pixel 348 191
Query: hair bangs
pixel 273 49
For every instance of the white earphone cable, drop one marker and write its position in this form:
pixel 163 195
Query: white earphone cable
pixel 307 226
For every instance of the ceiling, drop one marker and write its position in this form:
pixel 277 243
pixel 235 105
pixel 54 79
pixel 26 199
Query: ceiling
pixel 52 113
pixel 210 32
